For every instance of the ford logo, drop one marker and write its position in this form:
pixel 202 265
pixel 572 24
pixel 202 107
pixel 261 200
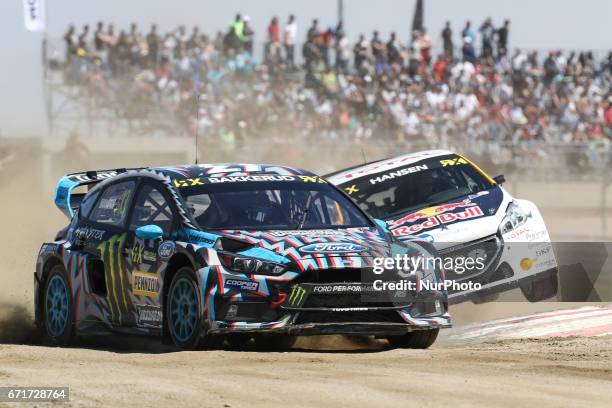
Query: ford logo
pixel 332 247
pixel 166 250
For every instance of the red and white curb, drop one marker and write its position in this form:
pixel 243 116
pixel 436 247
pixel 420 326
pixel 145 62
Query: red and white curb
pixel 586 321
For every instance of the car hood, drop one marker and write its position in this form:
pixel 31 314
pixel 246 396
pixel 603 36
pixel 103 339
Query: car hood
pixel 325 248
pixel 464 219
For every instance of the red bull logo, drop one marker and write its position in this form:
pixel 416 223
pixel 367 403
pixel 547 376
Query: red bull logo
pixel 437 220
pixel 431 212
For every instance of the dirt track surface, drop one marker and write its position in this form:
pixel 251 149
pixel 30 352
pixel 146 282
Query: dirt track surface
pixel 553 373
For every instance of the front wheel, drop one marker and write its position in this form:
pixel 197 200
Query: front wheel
pixel 418 339
pixel 58 319
pixel 540 289
pixel 184 311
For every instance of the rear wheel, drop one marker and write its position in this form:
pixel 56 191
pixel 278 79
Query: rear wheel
pixel 540 289
pixel 418 339
pixel 184 311
pixel 58 319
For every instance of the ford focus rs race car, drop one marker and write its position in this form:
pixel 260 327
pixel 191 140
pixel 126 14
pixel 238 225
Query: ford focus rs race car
pixel 443 198
pixel 198 254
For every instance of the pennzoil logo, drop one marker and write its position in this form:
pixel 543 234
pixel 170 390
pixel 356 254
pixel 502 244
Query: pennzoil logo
pixel 298 293
pixel 190 182
pixel 453 162
pixel 145 284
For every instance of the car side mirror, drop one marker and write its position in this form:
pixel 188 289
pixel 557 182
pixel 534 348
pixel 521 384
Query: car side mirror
pixel 501 179
pixel 149 232
pixel 382 224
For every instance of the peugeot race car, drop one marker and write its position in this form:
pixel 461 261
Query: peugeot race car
pixel 204 253
pixel 443 198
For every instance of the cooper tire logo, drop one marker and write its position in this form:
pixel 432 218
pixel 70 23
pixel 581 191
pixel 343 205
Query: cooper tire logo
pixel 332 247
pixel 166 250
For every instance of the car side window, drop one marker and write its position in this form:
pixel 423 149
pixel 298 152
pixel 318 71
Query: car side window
pixel 152 208
pixel 112 208
pixel 87 204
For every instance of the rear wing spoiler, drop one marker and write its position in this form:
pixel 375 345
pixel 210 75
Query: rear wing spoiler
pixel 67 201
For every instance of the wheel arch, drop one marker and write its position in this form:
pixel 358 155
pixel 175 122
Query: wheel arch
pixel 48 264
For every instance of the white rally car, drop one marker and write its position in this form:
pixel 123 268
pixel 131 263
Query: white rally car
pixel 443 198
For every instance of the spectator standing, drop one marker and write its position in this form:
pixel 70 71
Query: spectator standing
pixel 393 50
pixel 360 52
pixel 487 33
pixel 343 53
pixel 447 40
pixel 502 38
pixel 378 50
pixel 273 44
pixel 468 31
pixel 153 44
pixel 249 35
pixel 313 31
pixel 71 41
pixel 289 39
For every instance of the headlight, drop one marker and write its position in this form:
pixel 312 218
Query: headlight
pixel 515 217
pixel 247 265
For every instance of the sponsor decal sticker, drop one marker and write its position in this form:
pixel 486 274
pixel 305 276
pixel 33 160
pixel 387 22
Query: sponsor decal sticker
pixel 352 189
pixel 453 162
pixel 297 295
pixel 189 182
pixel 140 255
pixel 145 284
pixel 149 315
pixel 86 233
pixel 166 250
pixel 332 247
pixel 439 221
pixel 241 284
pixel 310 233
pixel 398 173
pixel 430 212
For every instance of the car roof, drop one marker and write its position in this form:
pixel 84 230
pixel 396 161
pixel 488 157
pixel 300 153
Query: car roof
pixel 229 169
pixel 356 172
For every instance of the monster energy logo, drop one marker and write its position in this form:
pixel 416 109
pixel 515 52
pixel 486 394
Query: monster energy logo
pixel 116 287
pixel 297 295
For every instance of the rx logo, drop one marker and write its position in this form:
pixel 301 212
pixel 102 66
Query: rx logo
pixel 452 162
pixel 188 182
pixel 297 295
pixel 352 189
pixel 312 179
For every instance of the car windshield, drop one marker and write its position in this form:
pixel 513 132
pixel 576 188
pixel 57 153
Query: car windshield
pixel 416 186
pixel 261 205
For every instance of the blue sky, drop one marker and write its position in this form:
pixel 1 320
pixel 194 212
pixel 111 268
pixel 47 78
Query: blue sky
pixel 566 24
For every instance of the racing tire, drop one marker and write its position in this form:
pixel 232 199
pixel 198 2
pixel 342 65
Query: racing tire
pixel 183 312
pixel 418 339
pixel 57 323
pixel 541 289
pixel 274 342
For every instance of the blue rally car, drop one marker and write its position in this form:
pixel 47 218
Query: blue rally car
pixel 199 254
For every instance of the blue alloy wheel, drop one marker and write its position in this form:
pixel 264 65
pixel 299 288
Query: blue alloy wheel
pixel 183 310
pixel 56 306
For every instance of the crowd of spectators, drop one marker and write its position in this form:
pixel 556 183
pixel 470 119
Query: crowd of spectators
pixel 319 82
